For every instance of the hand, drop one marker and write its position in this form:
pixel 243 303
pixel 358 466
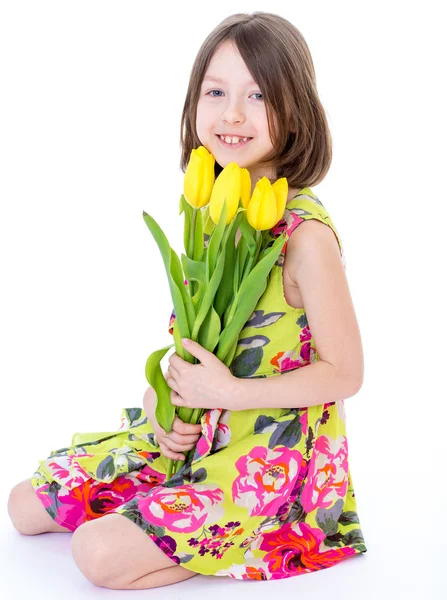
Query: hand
pixel 182 438
pixel 208 384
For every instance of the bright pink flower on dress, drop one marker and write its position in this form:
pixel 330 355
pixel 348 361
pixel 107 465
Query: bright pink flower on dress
pixel 295 549
pixel 266 478
pixel 327 479
pixel 184 508
pixel 91 500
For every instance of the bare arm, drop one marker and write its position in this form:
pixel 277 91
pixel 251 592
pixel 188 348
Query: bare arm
pixel 315 266
pixel 317 383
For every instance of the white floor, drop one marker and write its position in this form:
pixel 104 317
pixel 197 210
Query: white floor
pixel 405 559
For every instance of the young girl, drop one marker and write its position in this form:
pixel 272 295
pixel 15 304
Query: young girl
pixel 268 493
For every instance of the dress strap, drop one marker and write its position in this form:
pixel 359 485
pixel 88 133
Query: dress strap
pixel 303 207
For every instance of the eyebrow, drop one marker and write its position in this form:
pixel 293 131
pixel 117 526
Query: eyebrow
pixel 218 80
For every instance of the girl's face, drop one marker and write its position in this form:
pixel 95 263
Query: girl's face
pixel 233 106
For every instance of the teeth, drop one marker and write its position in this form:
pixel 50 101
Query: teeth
pixel 232 140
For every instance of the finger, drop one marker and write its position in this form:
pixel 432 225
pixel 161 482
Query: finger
pixel 182 439
pixel 170 454
pixel 178 446
pixel 176 399
pixel 186 428
pixel 173 371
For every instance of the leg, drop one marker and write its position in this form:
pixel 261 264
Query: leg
pixel 27 513
pixel 113 552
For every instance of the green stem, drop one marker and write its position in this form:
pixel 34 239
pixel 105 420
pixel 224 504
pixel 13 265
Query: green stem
pixel 191 284
pixel 253 259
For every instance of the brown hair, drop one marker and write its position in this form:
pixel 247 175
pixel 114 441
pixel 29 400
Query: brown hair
pixel 279 60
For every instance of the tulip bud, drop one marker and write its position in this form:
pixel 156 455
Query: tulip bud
pixel 281 190
pixel 262 209
pixel 245 187
pixel 199 177
pixel 227 187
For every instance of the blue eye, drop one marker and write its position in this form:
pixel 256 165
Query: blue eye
pixel 210 92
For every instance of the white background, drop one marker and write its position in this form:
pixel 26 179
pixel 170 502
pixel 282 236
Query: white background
pixel 90 106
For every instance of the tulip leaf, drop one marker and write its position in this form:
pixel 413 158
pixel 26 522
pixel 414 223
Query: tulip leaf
pixel 210 331
pixel 212 286
pixel 165 410
pixel 198 236
pixel 236 271
pixel 214 243
pixel 243 253
pixel 248 234
pixel 225 291
pixel 187 208
pixel 244 303
pixel 198 296
pixel 210 292
pixel 193 269
pixel 183 306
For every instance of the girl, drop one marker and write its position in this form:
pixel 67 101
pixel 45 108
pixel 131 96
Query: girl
pixel 268 493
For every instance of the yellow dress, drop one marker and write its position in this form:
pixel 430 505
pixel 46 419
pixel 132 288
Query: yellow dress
pixel 268 493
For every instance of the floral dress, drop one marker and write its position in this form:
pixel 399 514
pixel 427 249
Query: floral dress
pixel 268 493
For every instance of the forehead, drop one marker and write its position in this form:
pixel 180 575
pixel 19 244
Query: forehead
pixel 228 60
pixel 217 79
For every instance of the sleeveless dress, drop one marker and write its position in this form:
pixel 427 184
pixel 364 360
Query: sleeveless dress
pixel 268 493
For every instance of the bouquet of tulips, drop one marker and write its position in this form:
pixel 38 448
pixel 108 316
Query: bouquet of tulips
pixel 216 285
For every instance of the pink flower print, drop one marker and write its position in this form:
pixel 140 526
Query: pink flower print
pixel 90 500
pixel 184 508
pixel 304 418
pixel 296 549
pixel 223 432
pixel 287 361
pixel 280 226
pixel 266 478
pixel 305 334
pixel 66 470
pixel 328 473
pixel 209 422
pixel 293 220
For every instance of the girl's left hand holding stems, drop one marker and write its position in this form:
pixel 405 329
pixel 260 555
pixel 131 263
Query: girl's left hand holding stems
pixel 208 384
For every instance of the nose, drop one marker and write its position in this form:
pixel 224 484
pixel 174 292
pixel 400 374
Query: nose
pixel 233 113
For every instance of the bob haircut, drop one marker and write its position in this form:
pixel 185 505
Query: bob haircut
pixel 280 62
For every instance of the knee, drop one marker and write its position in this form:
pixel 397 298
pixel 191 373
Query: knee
pixel 19 510
pixel 90 554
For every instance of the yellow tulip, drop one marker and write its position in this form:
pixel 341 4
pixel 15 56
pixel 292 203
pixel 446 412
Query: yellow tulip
pixel 281 189
pixel 227 187
pixel 245 187
pixel 199 177
pixel 262 209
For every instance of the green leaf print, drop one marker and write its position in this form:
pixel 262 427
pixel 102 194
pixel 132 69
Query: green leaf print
pixel 349 517
pixel 106 468
pixel 287 433
pixel 185 558
pixel 309 441
pixel 334 540
pixel 354 536
pixel 134 416
pixel 134 514
pixel 327 518
pixel 297 513
pixel 247 362
pixel 262 422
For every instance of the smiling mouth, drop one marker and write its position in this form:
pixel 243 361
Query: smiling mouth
pixel 234 146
